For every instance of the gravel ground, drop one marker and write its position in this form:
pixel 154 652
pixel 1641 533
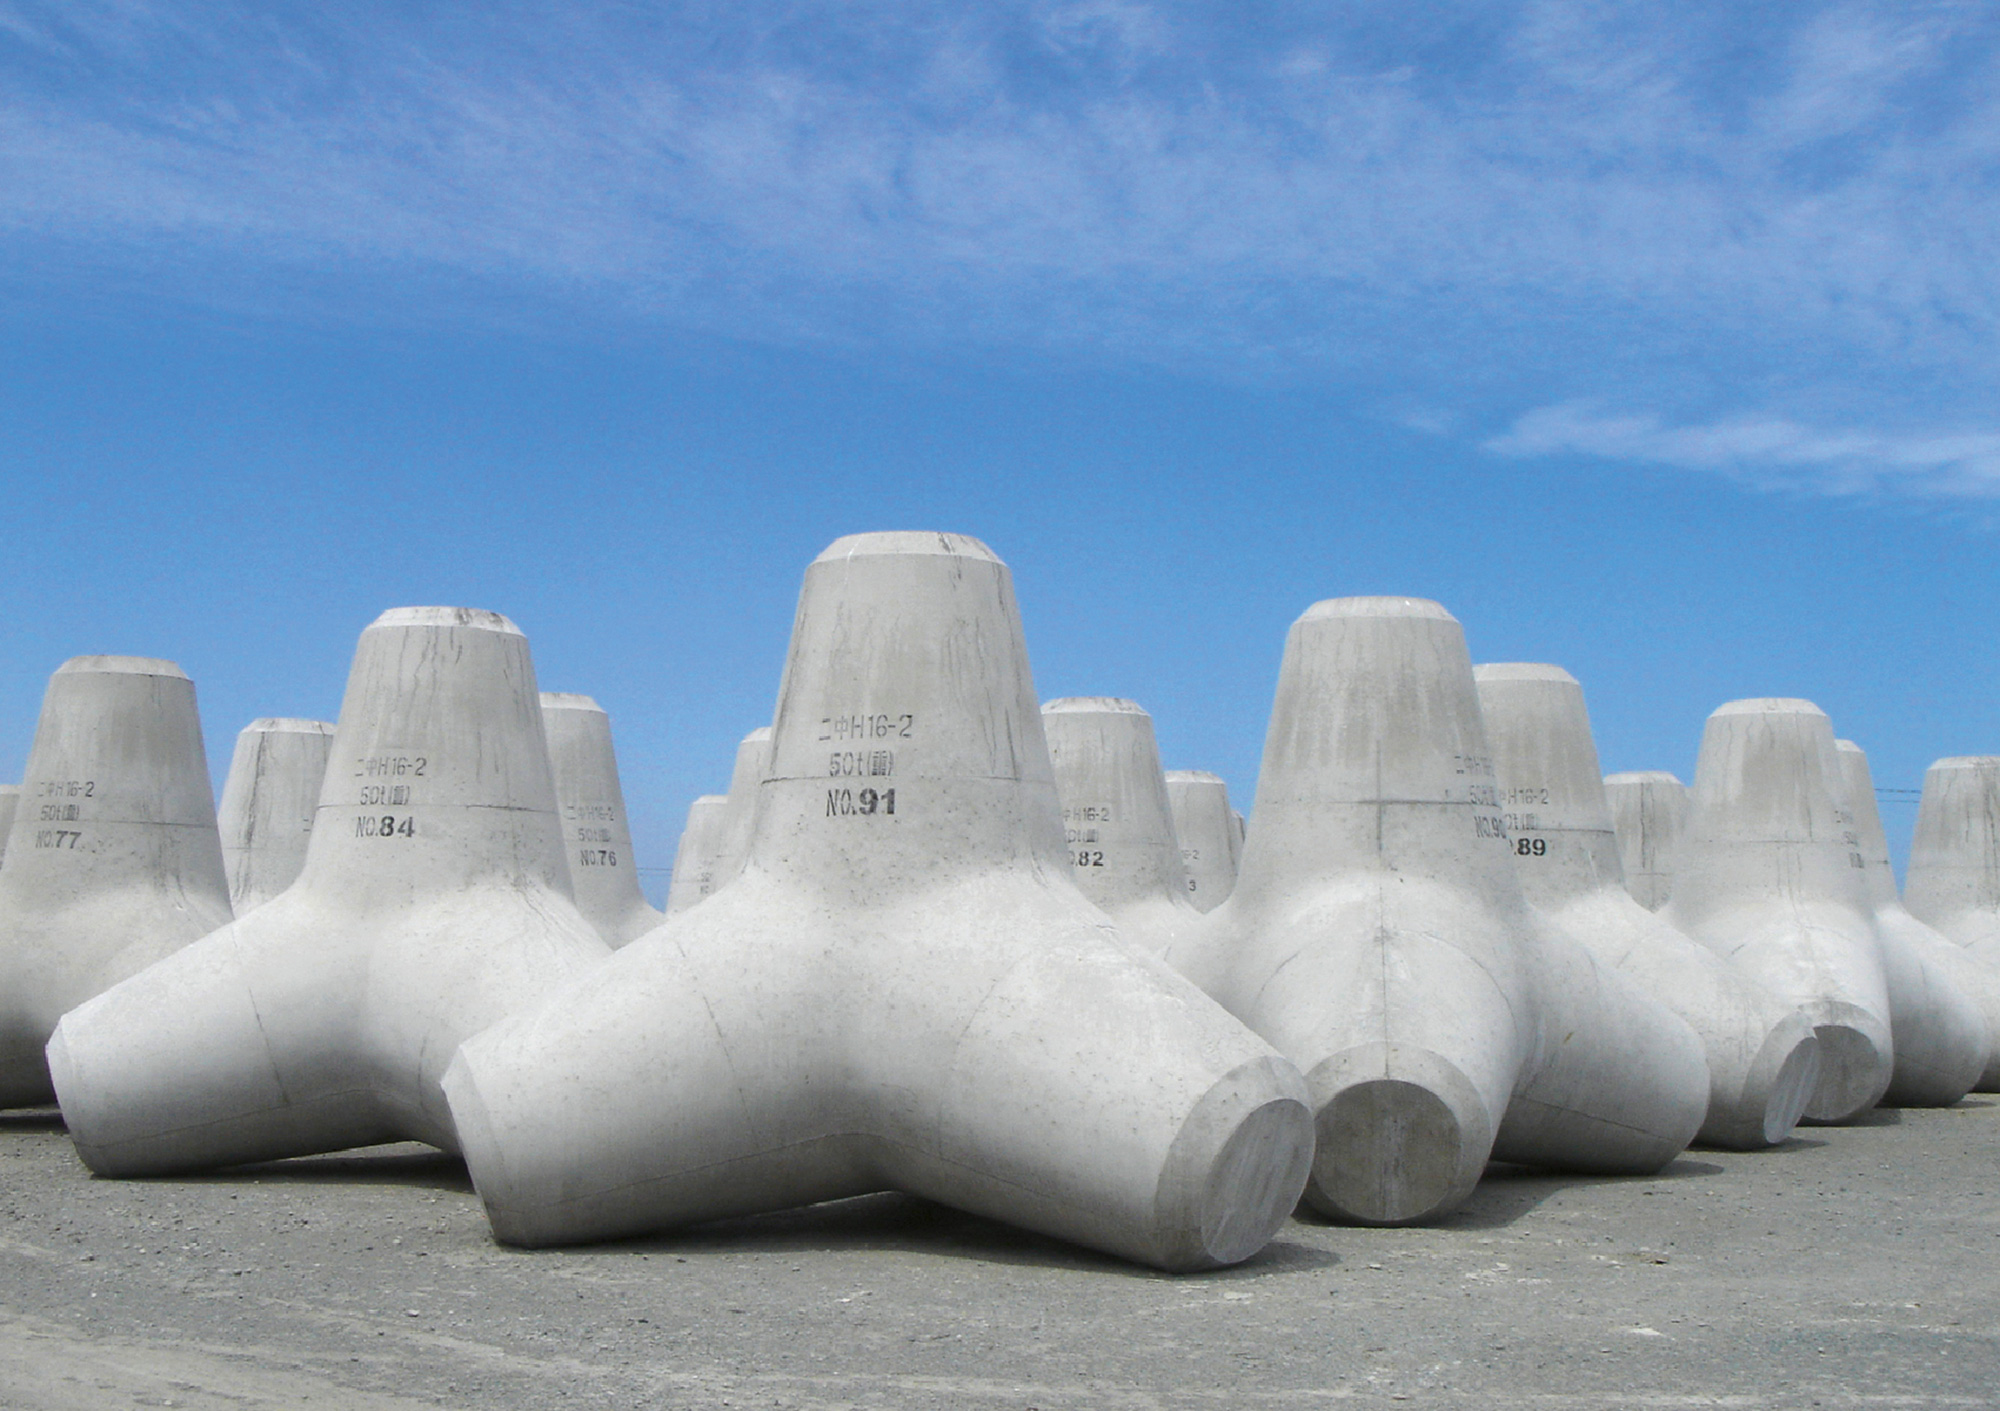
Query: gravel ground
pixel 1855 1266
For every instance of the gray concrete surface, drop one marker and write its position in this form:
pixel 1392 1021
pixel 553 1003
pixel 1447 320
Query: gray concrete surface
pixel 902 988
pixel 1851 1267
pixel 601 867
pixel 266 814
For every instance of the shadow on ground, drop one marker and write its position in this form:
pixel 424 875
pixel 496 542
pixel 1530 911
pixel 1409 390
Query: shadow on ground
pixel 911 1225
pixel 32 1119
pixel 1507 1193
pixel 404 1164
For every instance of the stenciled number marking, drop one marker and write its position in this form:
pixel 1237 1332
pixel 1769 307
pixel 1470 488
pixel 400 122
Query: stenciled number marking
pixel 865 727
pixel 1531 847
pixel 855 803
pixel 385 825
pixel 1087 857
pixel 597 857
pixel 390 766
pixel 64 838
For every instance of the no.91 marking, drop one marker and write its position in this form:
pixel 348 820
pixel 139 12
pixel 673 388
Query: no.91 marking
pixel 854 803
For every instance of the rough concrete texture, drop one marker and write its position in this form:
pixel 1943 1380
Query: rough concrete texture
pixel 1210 834
pixel 1116 818
pixel 1378 937
pixel 694 858
pixel 1762 1057
pixel 592 804
pixel 113 861
pixel 267 807
pixel 1953 880
pixel 1768 874
pixel 434 900
pixel 739 813
pixel 1944 1006
pixel 1648 811
pixel 10 802
pixel 903 988
pixel 1850 1268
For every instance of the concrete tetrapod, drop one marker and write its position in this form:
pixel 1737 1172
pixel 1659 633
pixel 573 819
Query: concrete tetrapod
pixel 1378 937
pixel 739 813
pixel 1944 1006
pixel 1763 1060
pixel 267 806
pixel 903 989
pixel 1210 834
pixel 1767 874
pixel 1648 810
pixel 10 801
pixel 694 857
pixel 113 860
pixel 593 812
pixel 433 901
pixel 1953 882
pixel 1116 819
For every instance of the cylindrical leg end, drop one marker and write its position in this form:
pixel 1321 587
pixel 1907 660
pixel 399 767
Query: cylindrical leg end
pixel 1402 1136
pixel 1780 1080
pixel 1855 1065
pixel 1235 1169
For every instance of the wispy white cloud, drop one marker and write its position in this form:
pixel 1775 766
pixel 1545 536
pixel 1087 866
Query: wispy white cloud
pixel 1512 202
pixel 1768 451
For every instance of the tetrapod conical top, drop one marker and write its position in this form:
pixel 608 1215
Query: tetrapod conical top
pixel 1954 873
pixel 433 901
pixel 1648 809
pixel 1944 1006
pixel 694 859
pixel 268 803
pixel 903 989
pixel 1769 876
pixel 1378 937
pixel 1210 834
pixel 1116 819
pixel 113 861
pixel 739 815
pixel 1762 1058
pixel 10 802
pixel 592 804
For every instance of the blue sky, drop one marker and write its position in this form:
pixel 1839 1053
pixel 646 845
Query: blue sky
pixel 1657 341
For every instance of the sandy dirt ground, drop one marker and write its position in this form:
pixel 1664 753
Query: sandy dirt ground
pixel 1852 1267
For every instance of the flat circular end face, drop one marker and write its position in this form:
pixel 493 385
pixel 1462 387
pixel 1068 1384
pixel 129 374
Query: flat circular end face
pixel 1254 1183
pixel 287 725
pixel 1093 705
pixel 1377 607
pixel 1853 1073
pixel 1768 705
pixel 898 542
pixel 1793 1088
pixel 121 666
pixel 757 736
pixel 1192 776
pixel 1521 671
pixel 569 700
pixel 446 617
pixel 1389 1153
pixel 1643 776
